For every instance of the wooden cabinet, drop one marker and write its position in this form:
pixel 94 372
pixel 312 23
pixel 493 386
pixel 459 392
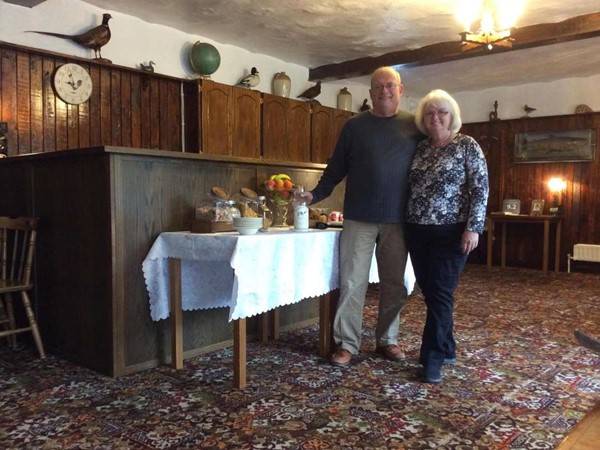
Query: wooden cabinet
pixel 229 121
pixel 326 124
pixel 246 122
pixel 285 129
pixel 226 119
pixel 216 118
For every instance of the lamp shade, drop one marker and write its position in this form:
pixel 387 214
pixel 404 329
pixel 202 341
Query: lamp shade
pixel 204 58
pixel 557 184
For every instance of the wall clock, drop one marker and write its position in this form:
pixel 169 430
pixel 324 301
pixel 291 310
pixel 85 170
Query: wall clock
pixel 73 84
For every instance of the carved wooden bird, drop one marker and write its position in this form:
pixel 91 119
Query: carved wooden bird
pixel 365 106
pixel 251 80
pixel 96 38
pixel 528 109
pixel 312 92
pixel 148 67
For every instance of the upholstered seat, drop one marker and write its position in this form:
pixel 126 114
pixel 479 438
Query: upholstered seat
pixel 17 247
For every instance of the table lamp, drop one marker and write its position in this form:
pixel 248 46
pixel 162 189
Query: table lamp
pixel 557 186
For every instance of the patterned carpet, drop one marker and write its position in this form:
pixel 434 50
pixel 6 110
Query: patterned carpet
pixel 521 382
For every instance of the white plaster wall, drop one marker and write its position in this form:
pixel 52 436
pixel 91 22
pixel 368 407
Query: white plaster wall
pixel 135 41
pixel 550 99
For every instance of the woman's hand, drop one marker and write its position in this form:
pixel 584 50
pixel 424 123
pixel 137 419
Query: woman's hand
pixel 470 240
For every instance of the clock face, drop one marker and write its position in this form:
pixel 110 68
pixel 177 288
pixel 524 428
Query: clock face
pixel 72 84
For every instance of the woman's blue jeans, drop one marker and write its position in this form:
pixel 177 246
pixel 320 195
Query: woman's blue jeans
pixel 438 261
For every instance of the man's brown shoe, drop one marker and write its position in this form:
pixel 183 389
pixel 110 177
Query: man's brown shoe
pixel 341 357
pixel 391 352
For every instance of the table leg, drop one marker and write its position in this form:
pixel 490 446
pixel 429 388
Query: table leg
pixel 176 313
pixel 327 307
pixel 557 247
pixel 275 314
pixel 546 245
pixel 490 242
pixel 324 330
pixel 503 248
pixel 239 353
pixel 269 321
pixel 264 327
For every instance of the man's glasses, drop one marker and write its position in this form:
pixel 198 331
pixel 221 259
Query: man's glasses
pixel 388 86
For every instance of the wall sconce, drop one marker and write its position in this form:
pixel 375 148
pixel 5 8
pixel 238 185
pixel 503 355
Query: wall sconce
pixel 557 186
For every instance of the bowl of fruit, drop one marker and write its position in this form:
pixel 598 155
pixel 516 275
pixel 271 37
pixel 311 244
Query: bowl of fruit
pixel 279 190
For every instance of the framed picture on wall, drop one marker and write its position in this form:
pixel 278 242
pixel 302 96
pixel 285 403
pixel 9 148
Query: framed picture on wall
pixel 553 146
pixel 537 207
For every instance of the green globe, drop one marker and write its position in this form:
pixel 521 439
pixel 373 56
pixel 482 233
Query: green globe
pixel 204 58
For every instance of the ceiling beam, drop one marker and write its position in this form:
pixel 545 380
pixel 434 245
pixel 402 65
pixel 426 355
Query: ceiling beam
pixel 575 28
pixel 26 3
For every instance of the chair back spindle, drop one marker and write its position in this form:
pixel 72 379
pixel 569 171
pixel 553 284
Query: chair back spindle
pixel 17 248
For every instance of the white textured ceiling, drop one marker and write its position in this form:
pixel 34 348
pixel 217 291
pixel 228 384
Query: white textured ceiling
pixel 312 33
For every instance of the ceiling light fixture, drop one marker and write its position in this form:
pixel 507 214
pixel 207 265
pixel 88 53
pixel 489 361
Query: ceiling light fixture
pixel 502 13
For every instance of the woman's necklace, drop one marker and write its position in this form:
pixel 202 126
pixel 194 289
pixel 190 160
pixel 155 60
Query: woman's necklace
pixel 442 143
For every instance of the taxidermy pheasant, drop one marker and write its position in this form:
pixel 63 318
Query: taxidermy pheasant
pixel 95 39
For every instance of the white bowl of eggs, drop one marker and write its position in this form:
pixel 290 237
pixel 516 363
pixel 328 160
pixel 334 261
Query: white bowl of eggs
pixel 247 225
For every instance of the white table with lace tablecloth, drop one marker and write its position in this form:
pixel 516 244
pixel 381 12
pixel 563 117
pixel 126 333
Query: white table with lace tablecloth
pixel 250 275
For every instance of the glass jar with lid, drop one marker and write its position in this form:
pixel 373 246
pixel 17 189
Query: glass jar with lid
pixel 214 207
pixel 265 212
pixel 247 203
pixel 233 210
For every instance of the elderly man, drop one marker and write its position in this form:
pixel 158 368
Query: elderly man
pixel 373 154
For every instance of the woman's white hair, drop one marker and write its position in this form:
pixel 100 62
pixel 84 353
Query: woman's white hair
pixel 439 99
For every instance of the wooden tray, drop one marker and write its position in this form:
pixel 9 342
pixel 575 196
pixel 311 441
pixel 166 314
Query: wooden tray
pixel 210 227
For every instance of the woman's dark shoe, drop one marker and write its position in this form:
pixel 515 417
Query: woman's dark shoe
pixel 432 375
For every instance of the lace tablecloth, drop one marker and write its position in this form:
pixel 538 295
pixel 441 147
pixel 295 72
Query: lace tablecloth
pixel 249 274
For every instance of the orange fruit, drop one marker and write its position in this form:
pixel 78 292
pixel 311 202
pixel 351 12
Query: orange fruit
pixel 279 184
pixel 287 184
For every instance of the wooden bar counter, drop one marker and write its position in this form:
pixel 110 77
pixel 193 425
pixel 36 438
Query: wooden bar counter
pixel 100 211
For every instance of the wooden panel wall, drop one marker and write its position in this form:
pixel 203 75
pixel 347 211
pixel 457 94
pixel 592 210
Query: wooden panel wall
pixel 127 107
pixel 528 181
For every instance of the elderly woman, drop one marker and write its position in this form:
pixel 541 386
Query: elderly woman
pixel 448 190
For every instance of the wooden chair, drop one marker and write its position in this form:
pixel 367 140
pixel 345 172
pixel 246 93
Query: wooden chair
pixel 17 246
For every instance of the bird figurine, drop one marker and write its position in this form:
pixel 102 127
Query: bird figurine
pixel 494 114
pixel 74 84
pixel 365 106
pixel 95 38
pixel 148 67
pixel 251 80
pixel 528 109
pixel 312 92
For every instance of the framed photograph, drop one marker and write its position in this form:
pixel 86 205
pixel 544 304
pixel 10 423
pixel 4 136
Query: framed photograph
pixel 537 207
pixel 511 206
pixel 553 146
